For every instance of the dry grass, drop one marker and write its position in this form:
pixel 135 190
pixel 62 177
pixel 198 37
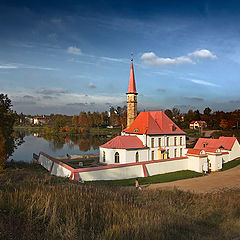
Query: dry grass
pixel 34 205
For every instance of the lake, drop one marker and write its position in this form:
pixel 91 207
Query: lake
pixel 56 146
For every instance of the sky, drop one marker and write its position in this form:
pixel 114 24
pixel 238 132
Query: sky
pixel 71 56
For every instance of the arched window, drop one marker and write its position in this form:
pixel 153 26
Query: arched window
pixel 137 157
pixel 116 157
pixel 104 156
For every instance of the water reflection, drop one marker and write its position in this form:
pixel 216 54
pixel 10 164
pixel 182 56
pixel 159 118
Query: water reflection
pixel 56 145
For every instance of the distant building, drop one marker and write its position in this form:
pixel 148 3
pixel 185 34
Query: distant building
pixel 40 120
pixel 197 124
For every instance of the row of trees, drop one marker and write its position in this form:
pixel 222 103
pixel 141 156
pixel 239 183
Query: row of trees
pixel 215 120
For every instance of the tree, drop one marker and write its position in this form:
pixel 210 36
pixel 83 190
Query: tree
pixel 207 111
pixel 7 119
pixel 169 113
pixel 3 155
pixel 223 124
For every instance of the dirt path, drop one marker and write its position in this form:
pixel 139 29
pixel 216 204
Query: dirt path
pixel 212 182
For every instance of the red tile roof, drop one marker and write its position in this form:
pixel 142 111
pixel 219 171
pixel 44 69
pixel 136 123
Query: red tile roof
pixel 195 151
pixel 225 142
pixel 132 85
pixel 124 142
pixel 199 122
pixel 153 122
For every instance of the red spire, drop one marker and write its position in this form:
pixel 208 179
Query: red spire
pixel 132 85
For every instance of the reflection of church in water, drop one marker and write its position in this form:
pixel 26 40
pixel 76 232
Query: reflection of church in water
pixel 149 136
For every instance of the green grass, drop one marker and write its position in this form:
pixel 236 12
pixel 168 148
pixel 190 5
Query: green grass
pixel 161 178
pixel 231 164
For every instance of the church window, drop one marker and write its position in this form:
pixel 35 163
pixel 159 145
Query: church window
pixel 135 130
pixel 175 141
pixel 204 145
pixel 180 152
pixel 137 157
pixel 167 153
pixel 104 156
pixel 159 142
pixel 152 142
pixel 152 155
pixel 181 141
pixel 175 152
pixel 167 141
pixel 116 157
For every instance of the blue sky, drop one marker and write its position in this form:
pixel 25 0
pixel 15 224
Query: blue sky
pixel 69 56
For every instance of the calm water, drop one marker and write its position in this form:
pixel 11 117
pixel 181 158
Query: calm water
pixel 56 146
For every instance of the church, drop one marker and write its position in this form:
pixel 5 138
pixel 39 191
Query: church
pixel 148 136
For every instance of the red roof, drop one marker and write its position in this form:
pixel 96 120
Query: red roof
pixel 132 85
pixel 124 142
pixel 199 122
pixel 195 151
pixel 225 142
pixel 153 122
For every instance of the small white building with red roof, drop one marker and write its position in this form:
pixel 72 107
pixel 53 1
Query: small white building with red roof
pixel 197 124
pixel 218 151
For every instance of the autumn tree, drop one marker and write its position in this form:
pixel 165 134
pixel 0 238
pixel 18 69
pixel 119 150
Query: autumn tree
pixel 7 119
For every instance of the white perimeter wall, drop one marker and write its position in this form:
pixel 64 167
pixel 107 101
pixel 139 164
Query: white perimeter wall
pixel 167 166
pixel 45 162
pixel 235 151
pixel 196 163
pixel 60 171
pixel 113 173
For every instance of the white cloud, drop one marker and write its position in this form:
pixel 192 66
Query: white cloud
pixel 114 59
pixel 202 82
pixel 91 85
pixel 74 50
pixel 51 91
pixel 203 53
pixel 150 58
pixel 8 67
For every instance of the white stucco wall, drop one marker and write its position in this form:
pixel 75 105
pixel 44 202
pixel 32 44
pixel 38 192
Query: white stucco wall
pixel 235 151
pixel 60 171
pixel 167 166
pixel 131 155
pixel 110 155
pixel 113 173
pixel 45 162
pixel 215 161
pixel 196 163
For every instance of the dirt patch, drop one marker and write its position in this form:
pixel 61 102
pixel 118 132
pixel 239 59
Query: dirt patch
pixel 213 182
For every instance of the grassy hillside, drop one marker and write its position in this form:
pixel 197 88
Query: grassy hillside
pixel 35 205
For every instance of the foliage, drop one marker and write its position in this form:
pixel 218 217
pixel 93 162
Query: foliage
pixel 35 205
pixel 7 119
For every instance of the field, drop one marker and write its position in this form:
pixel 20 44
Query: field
pixel 35 205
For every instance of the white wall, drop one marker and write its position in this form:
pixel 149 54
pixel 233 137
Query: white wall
pixel 235 151
pixel 60 171
pixel 215 161
pixel 110 155
pixel 196 163
pixel 45 162
pixel 131 155
pixel 113 173
pixel 167 166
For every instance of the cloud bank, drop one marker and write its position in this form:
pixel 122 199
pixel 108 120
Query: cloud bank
pixel 150 58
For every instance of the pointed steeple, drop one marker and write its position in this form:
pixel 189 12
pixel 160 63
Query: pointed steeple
pixel 132 85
